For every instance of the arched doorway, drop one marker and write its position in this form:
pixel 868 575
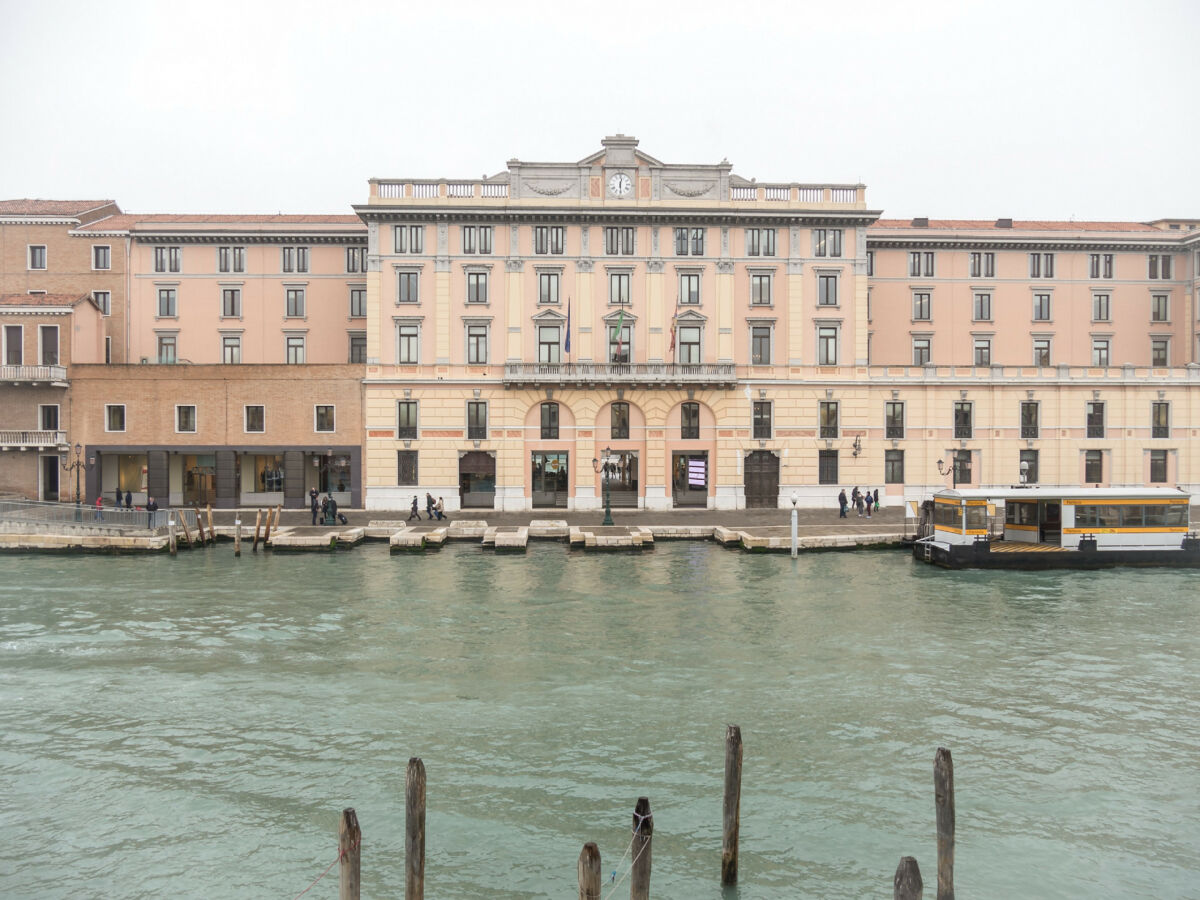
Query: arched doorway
pixel 761 472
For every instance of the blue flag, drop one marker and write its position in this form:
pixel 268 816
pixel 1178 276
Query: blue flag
pixel 567 345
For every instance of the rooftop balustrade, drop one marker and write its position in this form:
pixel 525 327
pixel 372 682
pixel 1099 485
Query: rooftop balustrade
pixel 717 374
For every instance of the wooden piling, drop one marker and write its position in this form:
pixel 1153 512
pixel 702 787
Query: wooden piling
pixel 643 832
pixel 907 884
pixel 943 798
pixel 349 854
pixel 199 526
pixel 171 542
pixel 237 535
pixel 589 872
pixel 733 804
pixel 267 530
pixel 187 532
pixel 212 535
pixel 257 523
pixel 414 830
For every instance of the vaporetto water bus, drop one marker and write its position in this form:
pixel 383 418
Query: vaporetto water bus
pixel 1059 528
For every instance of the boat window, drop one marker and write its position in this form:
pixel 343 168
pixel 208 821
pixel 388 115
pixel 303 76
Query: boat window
pixel 1177 515
pixel 947 515
pixel 1152 516
pixel 1020 514
pixel 977 517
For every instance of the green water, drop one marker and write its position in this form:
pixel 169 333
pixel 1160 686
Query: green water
pixel 193 727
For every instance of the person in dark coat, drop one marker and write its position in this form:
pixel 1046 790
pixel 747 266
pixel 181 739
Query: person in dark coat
pixel 414 513
pixel 128 500
pixel 312 502
pixel 334 515
pixel 118 498
pixel 429 506
pixel 151 509
pixel 870 502
pixel 324 510
pixel 842 503
pixel 876 499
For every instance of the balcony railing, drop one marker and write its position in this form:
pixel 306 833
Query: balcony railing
pixel 616 373
pixel 33 374
pixel 32 439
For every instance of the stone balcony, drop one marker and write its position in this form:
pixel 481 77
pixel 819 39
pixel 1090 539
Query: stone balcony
pixel 33 440
pixel 643 374
pixel 34 375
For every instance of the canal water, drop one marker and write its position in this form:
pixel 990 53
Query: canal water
pixel 192 727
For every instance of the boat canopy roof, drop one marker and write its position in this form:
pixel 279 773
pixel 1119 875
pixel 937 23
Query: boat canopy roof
pixel 1034 493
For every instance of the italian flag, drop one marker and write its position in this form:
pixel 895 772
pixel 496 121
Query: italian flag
pixel 617 332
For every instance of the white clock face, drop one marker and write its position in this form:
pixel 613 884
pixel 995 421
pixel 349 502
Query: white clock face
pixel 620 184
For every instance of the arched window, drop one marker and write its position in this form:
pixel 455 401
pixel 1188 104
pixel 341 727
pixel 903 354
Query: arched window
pixel 620 422
pixel 549 421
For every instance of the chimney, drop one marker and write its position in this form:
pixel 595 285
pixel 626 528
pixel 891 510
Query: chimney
pixel 920 222
pixel 1004 223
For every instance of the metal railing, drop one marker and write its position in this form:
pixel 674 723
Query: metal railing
pixel 50 516
pixel 33 373
pixel 624 373
pixel 33 438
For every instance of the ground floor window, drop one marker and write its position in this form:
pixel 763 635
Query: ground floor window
pixel 893 467
pixel 1093 466
pixel 1029 467
pixel 406 467
pixel 268 474
pixel 689 479
pixel 549 479
pixel 1158 466
pixel 827 467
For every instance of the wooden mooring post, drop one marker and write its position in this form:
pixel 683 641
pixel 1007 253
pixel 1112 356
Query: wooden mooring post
pixel 589 872
pixel 257 523
pixel 733 804
pixel 643 832
pixel 212 535
pixel 414 830
pixel 172 546
pixel 187 532
pixel 199 526
pixel 237 535
pixel 943 798
pixel 907 884
pixel 267 531
pixel 349 854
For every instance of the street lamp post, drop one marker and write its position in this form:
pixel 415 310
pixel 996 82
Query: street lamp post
pixel 953 473
pixel 596 465
pixel 77 464
pixel 795 526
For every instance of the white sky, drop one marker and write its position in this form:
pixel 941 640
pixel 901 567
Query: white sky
pixel 1042 110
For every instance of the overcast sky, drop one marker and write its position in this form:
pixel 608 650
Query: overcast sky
pixel 1040 110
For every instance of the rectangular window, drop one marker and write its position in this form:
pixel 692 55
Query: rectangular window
pixel 1100 265
pixel 37 256
pixel 827 345
pixel 408 343
pixel 1158 466
pixel 295 303
pixel 920 264
pixel 828 413
pixel 407 284
pixel 964 416
pixel 827 466
pixel 295 349
pixel 549 344
pixel 760 241
pixel 1041 307
pixel 1028 467
pixel 689 345
pixel 358 347
pixel 356 259
pixel 406 420
pixel 477 287
pixel 168 259
pixel 689 241
pixel 893 467
pixel 689 421
pixel 231 259
pixel 477 345
pixel 1100 308
pixel 893 419
pixel 983 351
pixel 549 430
pixel 1093 466
pixel 409 238
pixel 1100 352
pixel 1160 420
pixel 101 256
pixel 922 307
pixel 1160 309
pixel 358 303
pixel 689 288
pixel 548 238
pixel 477 239
pixel 760 290
pixel 48 344
pixel 760 345
pixel 166 349
pixel 827 290
pixel 547 287
pixel 114 417
pixel 104 301
pixel 185 419
pixel 618 240
pixel 1160 352
pixel 1160 265
pixel 1041 265
pixel 962 466
pixel 49 417
pixel 323 418
pixel 618 421
pixel 477 420
pixel 166 303
pixel 870 263
pixel 231 303
pixel 983 307
pixel 1029 420
pixel 762 420
pixel 1041 351
pixel 618 287
pixel 231 349
pixel 983 265
pixel 827 242
pixel 619 340
pixel 294 259
pixel 920 351
pixel 406 467
pixel 1095 421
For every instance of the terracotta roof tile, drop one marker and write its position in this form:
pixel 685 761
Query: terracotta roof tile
pixel 41 299
pixel 29 207
pixel 201 222
pixel 1017 225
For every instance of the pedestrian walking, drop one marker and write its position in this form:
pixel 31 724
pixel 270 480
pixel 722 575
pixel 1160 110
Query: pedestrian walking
pixel 313 494
pixel 99 508
pixel 118 498
pixel 440 509
pixel 869 502
pixel 151 509
pixel 414 513
pixel 876 499
pixel 334 515
pixel 128 500
pixel 842 504
pixel 428 506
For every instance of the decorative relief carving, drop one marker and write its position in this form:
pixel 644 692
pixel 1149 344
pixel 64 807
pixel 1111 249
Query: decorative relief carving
pixel 685 191
pixel 725 265
pixel 795 267
pixel 724 238
pixel 584 265
pixel 549 189
pixel 514 265
pixel 654 266
pixel 441 264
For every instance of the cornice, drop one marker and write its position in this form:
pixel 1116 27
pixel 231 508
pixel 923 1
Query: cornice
pixel 615 215
pixel 960 242
pixel 174 237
